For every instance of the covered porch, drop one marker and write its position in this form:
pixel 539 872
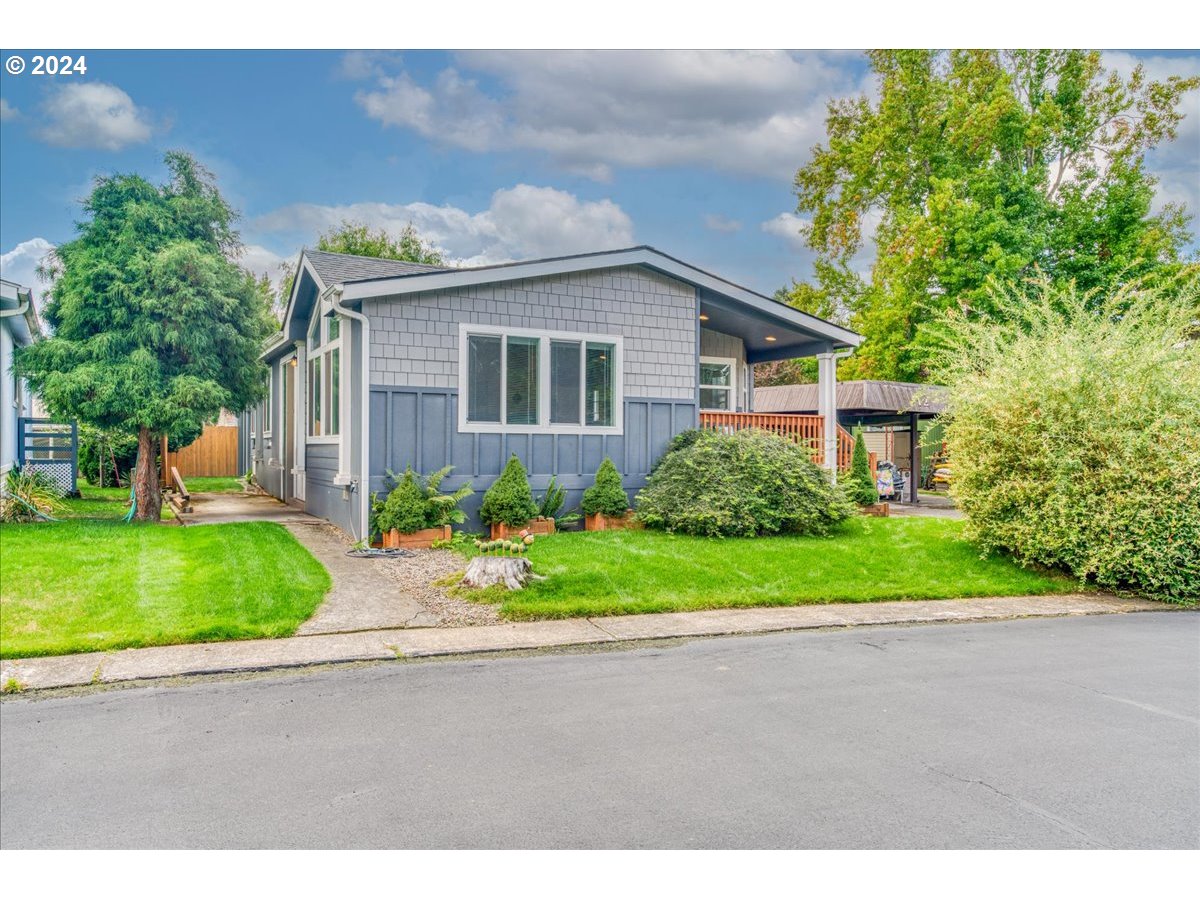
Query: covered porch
pixel 768 332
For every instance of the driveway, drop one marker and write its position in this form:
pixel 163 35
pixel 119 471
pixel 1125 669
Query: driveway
pixel 1052 733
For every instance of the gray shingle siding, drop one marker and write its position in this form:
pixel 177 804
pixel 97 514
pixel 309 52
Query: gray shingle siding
pixel 727 346
pixel 414 338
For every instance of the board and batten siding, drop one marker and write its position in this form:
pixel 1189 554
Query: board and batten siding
pixel 418 427
pixel 414 378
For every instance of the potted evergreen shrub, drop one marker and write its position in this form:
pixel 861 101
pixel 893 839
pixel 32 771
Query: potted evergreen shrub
pixel 416 513
pixel 605 503
pixel 508 505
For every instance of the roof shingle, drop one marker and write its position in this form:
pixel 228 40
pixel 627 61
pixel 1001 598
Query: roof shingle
pixel 342 268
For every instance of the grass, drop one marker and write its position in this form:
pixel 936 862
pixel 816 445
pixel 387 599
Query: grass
pixel 80 585
pixel 100 503
pixel 866 559
pixel 199 485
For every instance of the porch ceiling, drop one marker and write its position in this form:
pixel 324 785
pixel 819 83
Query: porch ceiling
pixel 767 337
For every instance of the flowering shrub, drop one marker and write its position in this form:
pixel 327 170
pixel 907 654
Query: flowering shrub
pixel 1074 427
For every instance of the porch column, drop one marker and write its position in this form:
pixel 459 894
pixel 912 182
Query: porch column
pixel 827 408
pixel 914 450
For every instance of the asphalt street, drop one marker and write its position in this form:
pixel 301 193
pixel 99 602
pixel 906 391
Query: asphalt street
pixel 1054 733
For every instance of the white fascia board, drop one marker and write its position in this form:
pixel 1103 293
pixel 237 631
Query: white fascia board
pixel 355 292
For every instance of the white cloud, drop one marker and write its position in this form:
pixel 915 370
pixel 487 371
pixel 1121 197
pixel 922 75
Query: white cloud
pixel 739 111
pixel 20 264
pixel 261 261
pixel 718 222
pixel 94 115
pixel 8 112
pixel 786 226
pixel 521 222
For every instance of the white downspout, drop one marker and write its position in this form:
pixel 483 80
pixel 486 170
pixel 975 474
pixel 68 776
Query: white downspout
pixel 827 406
pixel 364 475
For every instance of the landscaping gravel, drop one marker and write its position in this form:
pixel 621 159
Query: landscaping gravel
pixel 416 574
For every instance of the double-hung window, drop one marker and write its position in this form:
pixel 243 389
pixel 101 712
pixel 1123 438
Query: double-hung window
pixel 324 376
pixel 525 381
pixel 718 383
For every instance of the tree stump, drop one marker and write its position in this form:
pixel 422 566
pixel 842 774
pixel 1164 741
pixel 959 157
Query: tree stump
pixel 514 572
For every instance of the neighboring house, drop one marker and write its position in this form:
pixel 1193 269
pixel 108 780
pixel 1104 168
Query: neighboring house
pixel 19 327
pixel 381 364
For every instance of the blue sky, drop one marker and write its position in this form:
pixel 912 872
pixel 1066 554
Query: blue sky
pixel 493 155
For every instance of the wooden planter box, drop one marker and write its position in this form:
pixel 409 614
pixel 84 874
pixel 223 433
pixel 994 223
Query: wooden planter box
pixel 502 532
pixel 601 522
pixel 875 509
pixel 418 540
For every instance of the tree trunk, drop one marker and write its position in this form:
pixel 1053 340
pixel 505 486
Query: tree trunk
pixel 146 491
pixel 514 572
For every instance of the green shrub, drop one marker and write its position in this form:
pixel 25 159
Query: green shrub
pixel 509 500
pixel 404 509
pixel 607 495
pixel 418 499
pixel 747 483
pixel 552 501
pixel 860 486
pixel 106 457
pixel 1074 432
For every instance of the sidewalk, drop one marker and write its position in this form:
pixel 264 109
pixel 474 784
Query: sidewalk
pixel 247 656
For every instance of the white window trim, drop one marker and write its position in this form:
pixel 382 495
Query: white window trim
pixel 270 413
pixel 320 352
pixel 543 426
pixel 733 381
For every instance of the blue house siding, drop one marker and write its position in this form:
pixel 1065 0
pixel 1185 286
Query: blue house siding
pixel 321 496
pixel 418 426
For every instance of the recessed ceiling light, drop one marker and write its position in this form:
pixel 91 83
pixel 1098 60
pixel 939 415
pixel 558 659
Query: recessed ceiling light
pixel 771 338
pixel 703 317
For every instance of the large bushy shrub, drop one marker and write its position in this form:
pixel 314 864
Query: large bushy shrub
pixel 1074 432
pixel 747 483
pixel 606 495
pixel 860 485
pixel 509 500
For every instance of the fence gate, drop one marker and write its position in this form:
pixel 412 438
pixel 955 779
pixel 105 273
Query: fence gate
pixel 44 445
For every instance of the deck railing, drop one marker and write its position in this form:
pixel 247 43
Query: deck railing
pixel 802 429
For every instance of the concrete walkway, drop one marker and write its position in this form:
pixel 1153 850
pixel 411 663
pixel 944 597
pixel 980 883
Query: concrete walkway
pixel 363 597
pixel 246 656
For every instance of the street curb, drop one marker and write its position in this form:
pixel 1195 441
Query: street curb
pixel 20 676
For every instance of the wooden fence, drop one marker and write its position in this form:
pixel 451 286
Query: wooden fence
pixel 214 453
pixel 799 428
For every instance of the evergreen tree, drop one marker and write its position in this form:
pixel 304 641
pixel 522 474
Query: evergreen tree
pixel 155 327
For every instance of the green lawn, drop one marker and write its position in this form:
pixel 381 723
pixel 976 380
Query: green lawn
pixel 79 585
pixel 214 485
pixel 610 573
pixel 101 503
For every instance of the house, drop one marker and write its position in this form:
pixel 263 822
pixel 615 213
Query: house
pixel 381 364
pixel 889 413
pixel 19 327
